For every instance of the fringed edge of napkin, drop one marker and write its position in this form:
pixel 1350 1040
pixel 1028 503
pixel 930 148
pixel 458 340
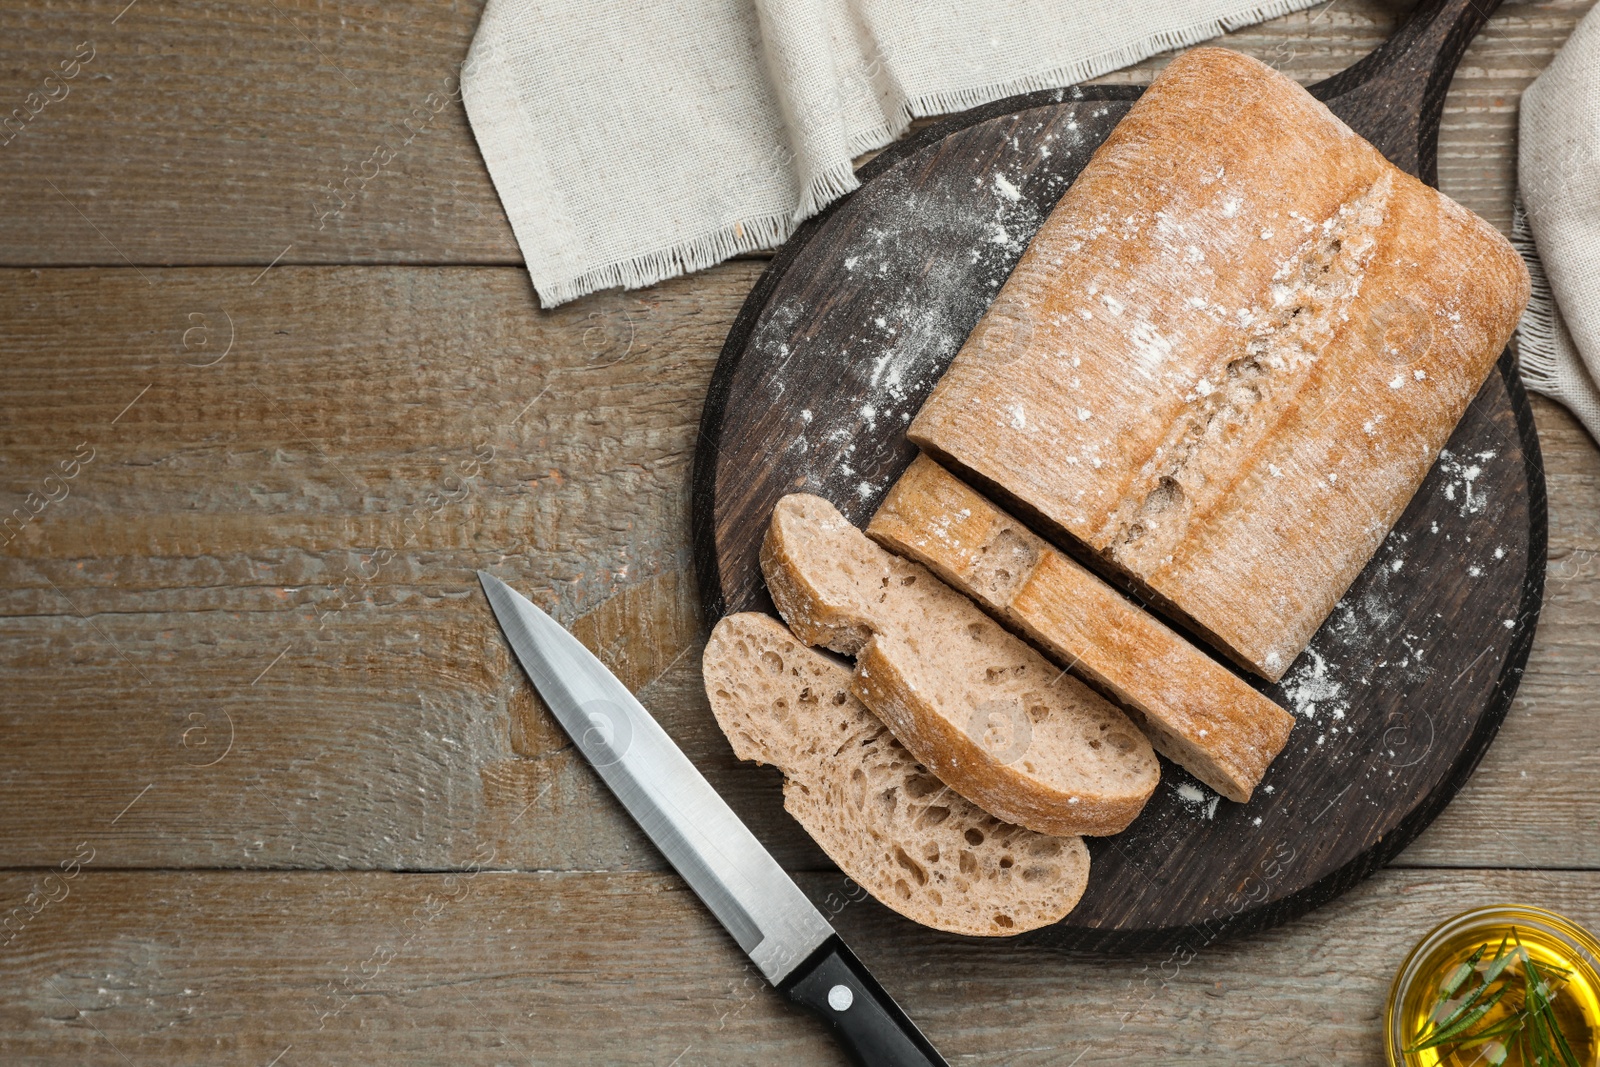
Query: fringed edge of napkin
pixel 1068 74
pixel 685 257
pixel 824 188
pixel 508 141
pixel 768 231
pixel 1541 359
pixel 1536 333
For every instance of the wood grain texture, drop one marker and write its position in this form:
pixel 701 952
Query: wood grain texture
pixel 1397 90
pixel 622 968
pixel 324 493
pixel 217 128
pixel 230 132
pixel 209 525
pixel 209 534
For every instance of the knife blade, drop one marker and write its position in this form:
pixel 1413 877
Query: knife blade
pixel 776 925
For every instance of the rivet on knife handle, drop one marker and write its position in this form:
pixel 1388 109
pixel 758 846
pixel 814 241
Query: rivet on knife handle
pixel 865 1019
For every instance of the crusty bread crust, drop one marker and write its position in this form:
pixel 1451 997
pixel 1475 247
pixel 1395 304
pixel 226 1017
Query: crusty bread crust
pixel 1231 354
pixel 1195 712
pixel 888 823
pixel 990 716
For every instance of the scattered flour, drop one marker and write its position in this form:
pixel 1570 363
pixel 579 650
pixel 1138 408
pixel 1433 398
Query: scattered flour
pixel 1150 346
pixel 898 338
pixel 1312 690
pixel 1197 799
pixel 1461 488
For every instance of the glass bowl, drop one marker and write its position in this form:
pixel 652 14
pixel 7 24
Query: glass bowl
pixel 1548 936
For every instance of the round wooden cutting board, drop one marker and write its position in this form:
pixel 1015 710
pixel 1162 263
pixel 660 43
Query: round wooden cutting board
pixel 1401 690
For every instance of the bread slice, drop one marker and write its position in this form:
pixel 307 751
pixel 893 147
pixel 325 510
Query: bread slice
pixel 888 823
pixel 990 716
pixel 1230 355
pixel 1194 711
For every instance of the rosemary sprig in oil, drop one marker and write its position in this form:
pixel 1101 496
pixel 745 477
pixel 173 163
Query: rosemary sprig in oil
pixel 1532 1028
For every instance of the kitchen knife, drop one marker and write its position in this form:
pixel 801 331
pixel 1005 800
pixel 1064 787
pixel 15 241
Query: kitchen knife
pixel 767 914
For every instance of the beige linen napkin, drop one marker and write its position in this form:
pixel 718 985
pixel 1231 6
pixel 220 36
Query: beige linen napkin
pixel 631 143
pixel 1557 226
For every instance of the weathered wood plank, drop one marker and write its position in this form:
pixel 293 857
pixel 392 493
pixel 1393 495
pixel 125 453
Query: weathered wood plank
pixel 1572 476
pixel 347 397
pixel 220 131
pixel 206 967
pixel 237 511
pixel 324 493
pixel 229 132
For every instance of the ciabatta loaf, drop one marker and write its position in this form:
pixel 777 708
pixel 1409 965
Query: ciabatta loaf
pixel 888 823
pixel 994 719
pixel 1231 354
pixel 1195 712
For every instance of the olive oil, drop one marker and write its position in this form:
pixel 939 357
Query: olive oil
pixel 1433 983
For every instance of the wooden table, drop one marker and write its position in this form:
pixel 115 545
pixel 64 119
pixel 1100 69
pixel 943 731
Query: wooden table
pixel 273 792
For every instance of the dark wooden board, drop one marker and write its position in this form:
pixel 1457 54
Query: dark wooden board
pixel 1399 693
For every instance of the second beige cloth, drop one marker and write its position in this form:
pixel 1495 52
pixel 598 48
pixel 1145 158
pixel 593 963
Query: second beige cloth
pixel 1557 226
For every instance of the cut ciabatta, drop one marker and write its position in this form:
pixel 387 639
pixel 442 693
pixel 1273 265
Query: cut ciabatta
pixel 888 823
pixel 1230 355
pixel 993 718
pixel 1195 711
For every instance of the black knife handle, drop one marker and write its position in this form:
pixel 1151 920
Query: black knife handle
pixel 865 1019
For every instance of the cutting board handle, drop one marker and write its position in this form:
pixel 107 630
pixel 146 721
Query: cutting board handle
pixel 1399 89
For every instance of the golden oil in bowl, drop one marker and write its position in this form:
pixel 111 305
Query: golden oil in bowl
pixel 1434 982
